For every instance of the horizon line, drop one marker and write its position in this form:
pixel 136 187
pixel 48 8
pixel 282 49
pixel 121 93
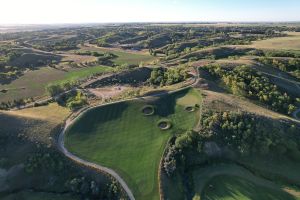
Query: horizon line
pixel 152 22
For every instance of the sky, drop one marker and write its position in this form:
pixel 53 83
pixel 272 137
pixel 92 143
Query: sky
pixel 102 11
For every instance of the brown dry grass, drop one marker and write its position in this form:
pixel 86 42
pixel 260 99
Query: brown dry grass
pixel 227 102
pixel 290 42
pixel 52 113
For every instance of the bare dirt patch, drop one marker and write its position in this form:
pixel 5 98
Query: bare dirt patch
pixel 108 92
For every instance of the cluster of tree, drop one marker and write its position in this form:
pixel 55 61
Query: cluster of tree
pixel 90 189
pixel 275 53
pixel 248 134
pixel 72 100
pixel 291 65
pixel 89 53
pixel 15 103
pixel 283 53
pixel 7 55
pixel 169 76
pixel 61 45
pixel 247 82
pixel 230 135
pixel 54 89
pixel 76 183
pixel 43 160
pixel 106 59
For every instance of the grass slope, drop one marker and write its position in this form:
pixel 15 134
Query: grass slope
pixel 226 187
pixel 290 42
pixel 22 134
pixel 124 56
pixel 84 72
pixel 229 181
pixel 119 136
pixel 33 83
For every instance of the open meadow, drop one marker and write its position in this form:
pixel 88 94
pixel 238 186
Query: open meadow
pixel 290 42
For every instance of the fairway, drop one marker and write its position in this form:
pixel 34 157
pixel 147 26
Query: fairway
pixel 121 137
pixel 84 72
pixel 226 187
pixel 229 182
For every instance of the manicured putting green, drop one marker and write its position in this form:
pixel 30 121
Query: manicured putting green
pixel 121 137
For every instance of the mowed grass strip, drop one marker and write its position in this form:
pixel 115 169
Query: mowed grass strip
pixel 121 137
pixel 84 72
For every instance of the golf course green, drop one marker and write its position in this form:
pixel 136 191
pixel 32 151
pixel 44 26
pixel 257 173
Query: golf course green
pixel 120 136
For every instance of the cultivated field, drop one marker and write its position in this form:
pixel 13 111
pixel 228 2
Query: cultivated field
pixel 120 136
pixel 33 83
pixel 129 57
pixel 290 42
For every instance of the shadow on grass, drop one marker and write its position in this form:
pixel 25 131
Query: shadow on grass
pixel 165 105
pixel 230 187
pixel 92 118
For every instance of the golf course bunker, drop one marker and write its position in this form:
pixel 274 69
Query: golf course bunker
pixel 148 110
pixel 190 108
pixel 164 124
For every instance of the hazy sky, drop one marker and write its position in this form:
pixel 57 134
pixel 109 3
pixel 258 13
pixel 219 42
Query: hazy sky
pixel 82 11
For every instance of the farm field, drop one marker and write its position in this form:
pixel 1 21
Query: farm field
pixel 124 56
pixel 121 137
pixel 84 72
pixel 33 83
pixel 290 42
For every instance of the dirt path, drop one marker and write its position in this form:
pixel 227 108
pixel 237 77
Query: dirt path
pixel 296 114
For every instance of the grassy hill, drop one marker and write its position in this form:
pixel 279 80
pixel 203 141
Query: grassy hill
pixel 229 181
pixel 121 137
pixel 33 83
pixel 30 166
pixel 290 42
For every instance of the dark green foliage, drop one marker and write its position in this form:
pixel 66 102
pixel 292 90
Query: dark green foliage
pixel 250 135
pixel 89 53
pixel 247 82
pixel 73 100
pixel 106 59
pixel 57 88
pixel 44 161
pixel 291 65
pixel 169 162
pixel 161 76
